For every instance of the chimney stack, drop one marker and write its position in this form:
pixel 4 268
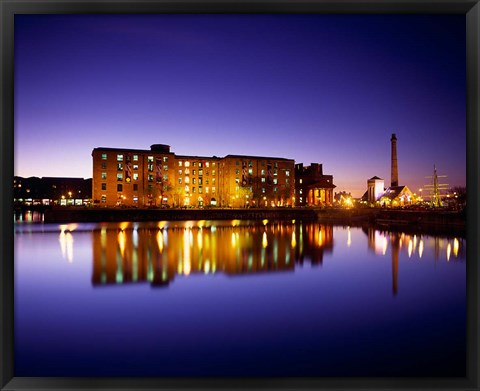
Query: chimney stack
pixel 394 181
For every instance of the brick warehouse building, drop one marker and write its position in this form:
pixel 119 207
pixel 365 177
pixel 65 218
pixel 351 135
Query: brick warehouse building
pixel 156 177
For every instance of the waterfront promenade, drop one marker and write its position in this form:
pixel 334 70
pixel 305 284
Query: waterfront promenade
pixel 387 218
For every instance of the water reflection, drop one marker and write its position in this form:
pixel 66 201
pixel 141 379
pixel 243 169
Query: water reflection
pixel 379 242
pixel 132 253
pixel 158 252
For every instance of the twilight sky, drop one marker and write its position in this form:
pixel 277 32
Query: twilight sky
pixel 315 88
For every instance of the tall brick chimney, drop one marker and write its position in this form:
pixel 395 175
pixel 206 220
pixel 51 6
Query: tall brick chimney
pixel 394 161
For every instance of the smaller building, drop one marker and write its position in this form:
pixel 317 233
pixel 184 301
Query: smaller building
pixel 312 187
pixel 393 196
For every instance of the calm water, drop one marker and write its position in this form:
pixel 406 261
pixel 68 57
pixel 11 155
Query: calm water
pixel 237 298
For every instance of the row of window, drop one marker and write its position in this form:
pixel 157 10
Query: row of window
pixel 200 189
pixel 194 172
pixel 194 164
pixel 135 187
pixel 186 180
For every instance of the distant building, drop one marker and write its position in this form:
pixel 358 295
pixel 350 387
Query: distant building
pixel 393 196
pixel 312 187
pixel 52 191
pixel 157 177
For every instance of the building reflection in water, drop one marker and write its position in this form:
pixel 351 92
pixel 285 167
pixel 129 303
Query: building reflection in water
pixel 133 253
pixel 443 248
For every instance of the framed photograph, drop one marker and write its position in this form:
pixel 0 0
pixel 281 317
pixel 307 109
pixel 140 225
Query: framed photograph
pixel 231 195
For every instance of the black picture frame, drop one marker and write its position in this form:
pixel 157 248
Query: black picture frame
pixel 8 9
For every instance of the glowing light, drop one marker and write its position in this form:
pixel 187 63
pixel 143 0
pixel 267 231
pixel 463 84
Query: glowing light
pixel 265 222
pixel 420 248
pixel 123 225
pixel 414 243
pixel 385 245
pixel 200 239
pixel 235 223
pixel 449 251
pixel 121 242
pixel 264 240
pixel 410 248
pixel 294 240
pixel 206 267
pixel 349 237
pixel 160 241
pixel 234 239
pixel 456 245
pixel 187 243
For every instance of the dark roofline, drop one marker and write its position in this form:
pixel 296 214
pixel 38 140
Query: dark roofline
pixel 196 157
pixel 260 157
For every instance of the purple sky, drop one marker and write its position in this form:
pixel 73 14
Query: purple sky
pixel 315 88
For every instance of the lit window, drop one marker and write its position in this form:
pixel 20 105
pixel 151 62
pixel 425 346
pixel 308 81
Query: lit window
pixel 237 172
pixel 135 176
pixel 165 168
pixel 263 190
pixel 275 181
pixel 135 199
pixel 300 180
pixel 200 164
pixel 187 188
pixel 135 166
pixel 287 173
pixel 179 181
pixel 213 180
pixel 301 199
pixel 301 191
pixel 120 158
pixel 104 186
pixel 206 181
pixel 187 164
pixel 200 181
pixel 135 158
pixel 250 171
pixel 194 181
pixel 165 159
pixel 200 172
pixel 104 156
pixel 119 177
pixel 119 187
pixel 187 171
pixel 150 178
pixel 194 190
pixel 250 164
pixel 213 172
pixel 119 166
pixel 237 180
pixel 194 164
pixel 180 164
pixel 275 165
pixel 213 189
pixel 194 172
pixel 207 164
pixel 187 179
pixel 263 180
pixel 200 189
pixel 263 172
pixel 104 199
pixel 180 172
pixel 165 178
pixel 275 172
pixel 206 189
pixel 150 167
pixel 274 189
pixel 213 164
pixel 150 159
pixel 104 175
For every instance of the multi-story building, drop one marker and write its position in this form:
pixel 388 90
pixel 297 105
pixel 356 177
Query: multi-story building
pixel 132 177
pixel 157 177
pixel 312 187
